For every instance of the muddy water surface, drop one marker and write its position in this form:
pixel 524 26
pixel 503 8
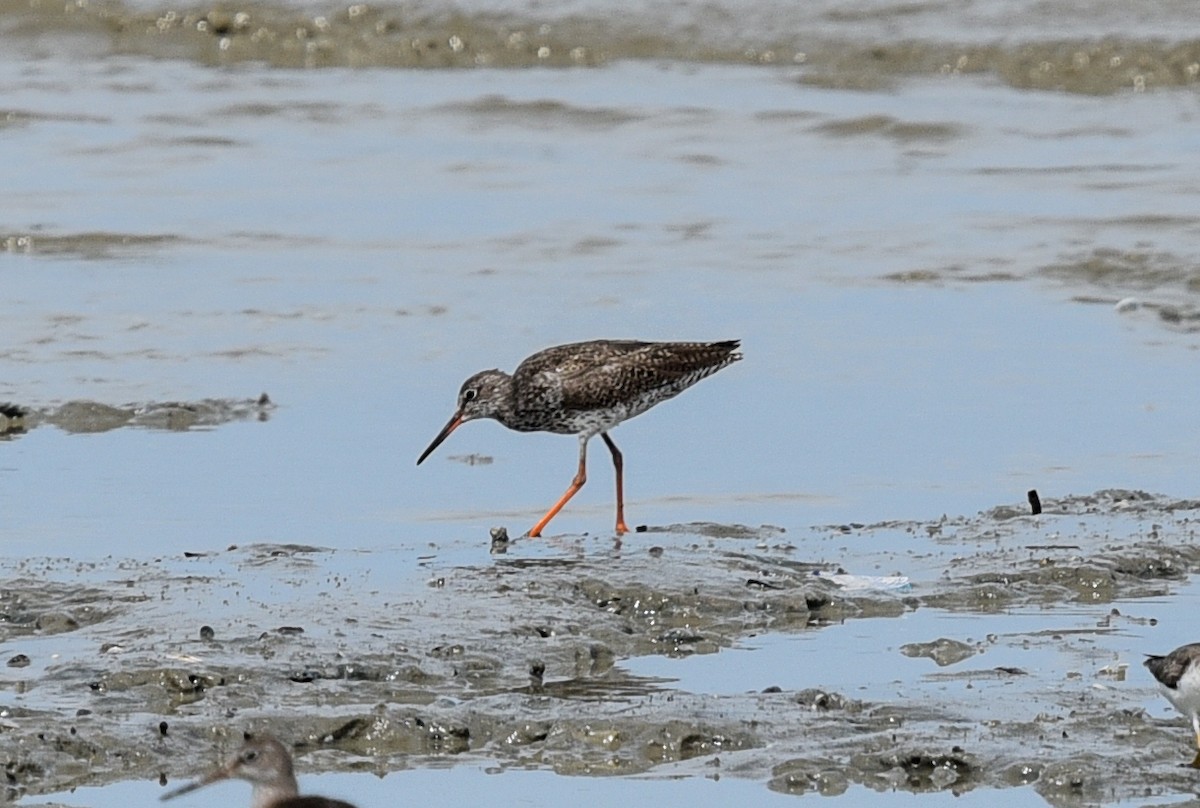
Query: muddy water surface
pixel 1009 660
pixel 958 243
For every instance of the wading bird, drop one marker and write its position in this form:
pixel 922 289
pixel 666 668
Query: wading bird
pixel 266 764
pixel 585 389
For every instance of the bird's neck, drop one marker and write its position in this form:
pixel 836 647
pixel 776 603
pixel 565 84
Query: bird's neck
pixel 268 795
pixel 504 403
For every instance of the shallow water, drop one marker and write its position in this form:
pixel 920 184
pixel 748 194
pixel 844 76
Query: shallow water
pixel 359 286
pixel 922 253
pixel 531 788
pixel 1049 641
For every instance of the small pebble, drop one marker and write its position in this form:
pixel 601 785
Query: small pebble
pixel 500 539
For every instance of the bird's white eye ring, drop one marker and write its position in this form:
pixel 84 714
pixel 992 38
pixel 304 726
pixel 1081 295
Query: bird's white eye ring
pixel 469 395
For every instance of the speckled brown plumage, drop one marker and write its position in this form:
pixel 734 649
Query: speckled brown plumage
pixel 585 389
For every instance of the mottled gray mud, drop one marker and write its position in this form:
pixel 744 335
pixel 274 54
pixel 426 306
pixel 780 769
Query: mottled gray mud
pixel 835 49
pixel 1151 285
pixel 81 417
pixel 140 668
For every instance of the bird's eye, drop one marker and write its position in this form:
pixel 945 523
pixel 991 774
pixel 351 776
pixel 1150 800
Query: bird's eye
pixel 469 395
pixel 249 755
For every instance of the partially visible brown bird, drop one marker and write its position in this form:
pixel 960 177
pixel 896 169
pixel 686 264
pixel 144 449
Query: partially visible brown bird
pixel 1178 675
pixel 585 389
pixel 266 764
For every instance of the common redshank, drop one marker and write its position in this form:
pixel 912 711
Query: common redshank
pixel 585 389
pixel 267 765
pixel 1178 675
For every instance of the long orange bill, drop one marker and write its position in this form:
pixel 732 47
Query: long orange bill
pixel 445 433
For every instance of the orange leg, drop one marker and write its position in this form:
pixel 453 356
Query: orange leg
pixel 576 484
pixel 619 465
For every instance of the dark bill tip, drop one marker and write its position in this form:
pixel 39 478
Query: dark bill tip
pixel 445 433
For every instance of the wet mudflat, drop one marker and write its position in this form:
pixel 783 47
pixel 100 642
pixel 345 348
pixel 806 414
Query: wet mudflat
pixel 961 267
pixel 138 669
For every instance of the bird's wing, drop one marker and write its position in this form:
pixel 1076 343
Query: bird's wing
pixel 1170 668
pixel 635 369
pixel 587 375
pixel 555 374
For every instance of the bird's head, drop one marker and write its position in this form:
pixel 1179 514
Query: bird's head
pixel 481 396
